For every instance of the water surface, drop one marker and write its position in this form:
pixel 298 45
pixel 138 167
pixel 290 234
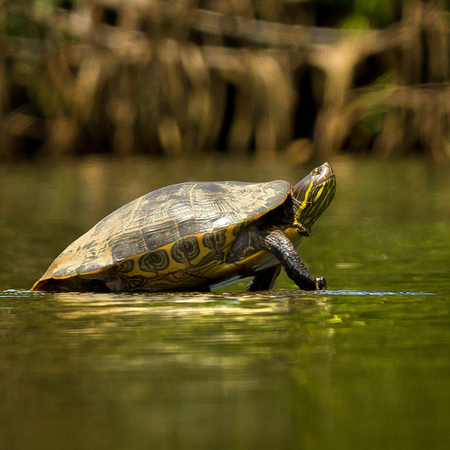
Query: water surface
pixel 365 364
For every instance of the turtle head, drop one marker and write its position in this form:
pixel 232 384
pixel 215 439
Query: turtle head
pixel 311 197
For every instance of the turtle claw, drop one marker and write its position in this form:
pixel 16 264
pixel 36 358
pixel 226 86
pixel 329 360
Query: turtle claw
pixel 321 283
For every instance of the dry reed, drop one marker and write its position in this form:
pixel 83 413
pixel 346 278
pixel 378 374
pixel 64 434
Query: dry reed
pixel 154 77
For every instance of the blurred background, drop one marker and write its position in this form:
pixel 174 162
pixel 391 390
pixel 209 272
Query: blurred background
pixel 302 78
pixel 102 101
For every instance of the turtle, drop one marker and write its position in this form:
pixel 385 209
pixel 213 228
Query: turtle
pixel 195 236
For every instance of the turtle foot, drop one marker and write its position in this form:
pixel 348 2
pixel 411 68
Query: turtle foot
pixel 321 283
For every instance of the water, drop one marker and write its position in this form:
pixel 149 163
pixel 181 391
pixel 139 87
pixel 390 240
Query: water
pixel 365 364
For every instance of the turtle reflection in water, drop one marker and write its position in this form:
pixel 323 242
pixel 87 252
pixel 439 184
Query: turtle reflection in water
pixel 198 235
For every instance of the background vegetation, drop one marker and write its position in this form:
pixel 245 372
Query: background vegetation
pixel 306 78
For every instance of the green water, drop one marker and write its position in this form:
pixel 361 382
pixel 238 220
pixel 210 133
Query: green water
pixel 365 364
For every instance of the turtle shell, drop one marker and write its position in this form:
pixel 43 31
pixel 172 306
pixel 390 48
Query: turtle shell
pixel 165 233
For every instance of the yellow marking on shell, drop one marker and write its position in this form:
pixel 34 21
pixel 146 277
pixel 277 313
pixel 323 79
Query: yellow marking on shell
pixel 193 266
pixel 191 274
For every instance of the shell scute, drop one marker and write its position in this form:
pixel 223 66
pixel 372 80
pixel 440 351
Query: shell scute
pixel 185 250
pixel 126 266
pixel 154 261
pixel 214 240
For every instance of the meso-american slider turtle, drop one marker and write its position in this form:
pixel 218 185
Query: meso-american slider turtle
pixel 197 235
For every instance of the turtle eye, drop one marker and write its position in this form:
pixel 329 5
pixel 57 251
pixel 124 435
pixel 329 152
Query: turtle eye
pixel 316 171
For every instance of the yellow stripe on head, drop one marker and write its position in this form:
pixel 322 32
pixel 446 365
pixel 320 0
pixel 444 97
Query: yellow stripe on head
pixel 305 201
pixel 319 192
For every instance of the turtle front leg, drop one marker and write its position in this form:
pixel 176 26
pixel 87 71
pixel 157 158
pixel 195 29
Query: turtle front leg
pixel 277 243
pixel 265 279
